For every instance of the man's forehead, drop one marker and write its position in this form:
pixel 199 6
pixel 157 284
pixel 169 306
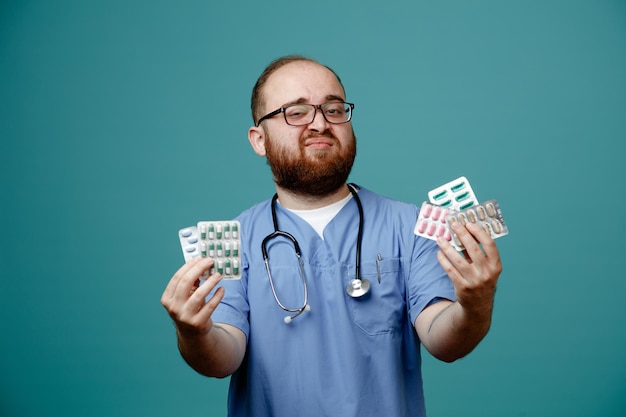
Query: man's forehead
pixel 301 80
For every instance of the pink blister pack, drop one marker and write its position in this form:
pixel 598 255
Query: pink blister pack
pixel 432 223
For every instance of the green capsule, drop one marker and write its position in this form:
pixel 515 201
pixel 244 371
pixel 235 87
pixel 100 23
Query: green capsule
pixel 466 205
pixel 457 187
pixel 463 196
pixel 440 195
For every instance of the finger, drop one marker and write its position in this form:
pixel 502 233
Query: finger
pixel 202 292
pixel 202 307
pixel 480 237
pixel 467 239
pixel 488 244
pixel 188 282
pixel 210 306
pixel 450 259
pixel 170 289
pixel 489 254
pixel 449 268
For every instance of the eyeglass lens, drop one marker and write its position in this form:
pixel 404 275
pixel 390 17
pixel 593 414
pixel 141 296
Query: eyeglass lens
pixel 303 114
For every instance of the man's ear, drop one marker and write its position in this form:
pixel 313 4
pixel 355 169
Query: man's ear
pixel 256 136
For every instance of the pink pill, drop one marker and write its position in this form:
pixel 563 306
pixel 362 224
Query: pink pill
pixel 441 231
pixel 436 213
pixel 427 208
pixel 444 214
pixel 447 236
pixel 431 229
pixel 422 226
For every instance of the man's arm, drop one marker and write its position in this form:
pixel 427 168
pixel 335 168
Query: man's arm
pixel 212 349
pixel 450 330
pixel 217 354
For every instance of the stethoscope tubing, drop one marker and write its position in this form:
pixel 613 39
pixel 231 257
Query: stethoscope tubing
pixel 277 232
pixel 359 237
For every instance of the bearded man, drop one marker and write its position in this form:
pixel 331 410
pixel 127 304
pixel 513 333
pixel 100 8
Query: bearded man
pixel 337 293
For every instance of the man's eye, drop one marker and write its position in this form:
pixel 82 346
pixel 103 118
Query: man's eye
pixel 296 111
pixel 335 110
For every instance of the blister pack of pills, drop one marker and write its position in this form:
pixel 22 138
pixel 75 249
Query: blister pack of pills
pixel 456 201
pixel 431 222
pixel 216 239
pixel 456 195
pixel 189 242
pixel 487 215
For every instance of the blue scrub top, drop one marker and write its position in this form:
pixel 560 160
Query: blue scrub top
pixel 345 357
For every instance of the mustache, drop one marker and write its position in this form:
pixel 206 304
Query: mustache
pixel 325 134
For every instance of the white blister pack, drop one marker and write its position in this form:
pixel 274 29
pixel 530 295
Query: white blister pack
pixel 216 239
pixel 455 195
pixel 188 238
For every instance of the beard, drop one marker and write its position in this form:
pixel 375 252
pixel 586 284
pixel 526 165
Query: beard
pixel 316 174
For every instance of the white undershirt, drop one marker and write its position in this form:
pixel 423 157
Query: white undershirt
pixel 319 218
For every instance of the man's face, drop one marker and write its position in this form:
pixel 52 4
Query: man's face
pixel 313 159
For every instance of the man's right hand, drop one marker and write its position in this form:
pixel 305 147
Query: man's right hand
pixel 186 300
pixel 211 349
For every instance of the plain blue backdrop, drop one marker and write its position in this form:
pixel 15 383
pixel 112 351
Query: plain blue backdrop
pixel 123 121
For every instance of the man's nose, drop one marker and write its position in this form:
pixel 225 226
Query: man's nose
pixel 319 122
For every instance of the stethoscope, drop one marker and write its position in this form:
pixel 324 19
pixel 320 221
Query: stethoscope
pixel 356 288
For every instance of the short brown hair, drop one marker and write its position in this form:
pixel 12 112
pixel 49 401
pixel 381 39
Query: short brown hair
pixel 257 95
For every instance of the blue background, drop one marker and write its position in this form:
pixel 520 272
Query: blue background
pixel 123 121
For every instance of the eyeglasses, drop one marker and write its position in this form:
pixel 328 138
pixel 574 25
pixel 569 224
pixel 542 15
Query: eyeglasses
pixel 304 114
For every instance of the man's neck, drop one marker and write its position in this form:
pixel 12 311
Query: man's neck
pixel 298 201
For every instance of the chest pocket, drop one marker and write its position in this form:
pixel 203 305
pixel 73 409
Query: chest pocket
pixel 381 310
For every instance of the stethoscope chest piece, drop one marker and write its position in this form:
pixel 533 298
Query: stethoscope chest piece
pixel 358 287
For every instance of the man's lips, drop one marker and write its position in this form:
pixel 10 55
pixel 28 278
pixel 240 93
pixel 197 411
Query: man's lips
pixel 319 143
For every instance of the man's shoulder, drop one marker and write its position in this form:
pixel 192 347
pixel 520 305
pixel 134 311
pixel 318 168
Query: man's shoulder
pixel 385 202
pixel 254 210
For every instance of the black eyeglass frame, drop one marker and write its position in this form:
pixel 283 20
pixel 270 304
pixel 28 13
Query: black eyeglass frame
pixel 315 108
